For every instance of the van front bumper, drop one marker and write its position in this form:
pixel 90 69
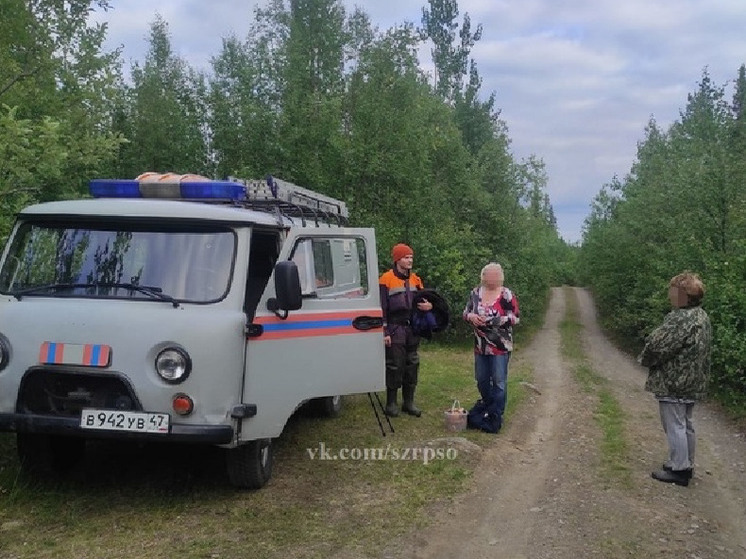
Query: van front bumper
pixel 70 426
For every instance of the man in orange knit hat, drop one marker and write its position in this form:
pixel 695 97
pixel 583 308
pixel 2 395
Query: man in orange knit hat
pixel 397 300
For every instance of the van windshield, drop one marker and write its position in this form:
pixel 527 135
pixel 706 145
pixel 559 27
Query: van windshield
pixel 119 260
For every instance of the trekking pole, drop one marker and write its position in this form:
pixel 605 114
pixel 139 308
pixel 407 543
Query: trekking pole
pixel 375 411
pixel 380 405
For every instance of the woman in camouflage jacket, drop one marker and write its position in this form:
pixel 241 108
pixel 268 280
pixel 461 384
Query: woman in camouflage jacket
pixel 677 354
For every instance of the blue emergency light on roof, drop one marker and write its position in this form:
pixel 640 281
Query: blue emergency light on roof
pixel 213 189
pixel 104 188
pixel 190 190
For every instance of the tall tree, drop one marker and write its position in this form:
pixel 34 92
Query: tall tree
pixel 31 153
pixel 311 122
pixel 702 134
pixel 59 83
pixel 166 124
pixel 450 57
pixel 241 114
pixel 478 120
pixel 736 162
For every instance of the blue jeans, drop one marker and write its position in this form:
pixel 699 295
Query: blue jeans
pixel 491 372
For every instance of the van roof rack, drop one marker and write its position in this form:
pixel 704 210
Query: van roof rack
pixel 291 200
pixel 280 197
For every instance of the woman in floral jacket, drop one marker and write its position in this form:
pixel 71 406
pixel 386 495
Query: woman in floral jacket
pixel 492 310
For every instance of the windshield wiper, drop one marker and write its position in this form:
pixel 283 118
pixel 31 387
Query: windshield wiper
pixel 46 287
pixel 154 292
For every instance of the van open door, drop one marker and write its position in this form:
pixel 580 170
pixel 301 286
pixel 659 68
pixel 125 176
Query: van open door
pixel 332 345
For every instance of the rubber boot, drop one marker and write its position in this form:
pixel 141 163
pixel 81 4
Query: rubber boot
pixel 408 401
pixel 392 410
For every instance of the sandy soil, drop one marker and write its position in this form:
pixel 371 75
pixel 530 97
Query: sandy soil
pixel 540 491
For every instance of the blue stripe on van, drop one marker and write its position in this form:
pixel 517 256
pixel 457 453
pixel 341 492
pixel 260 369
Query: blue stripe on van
pixel 306 325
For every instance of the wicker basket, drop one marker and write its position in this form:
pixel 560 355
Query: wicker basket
pixel 455 418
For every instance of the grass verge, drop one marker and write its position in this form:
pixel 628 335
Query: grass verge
pixel 608 413
pixel 163 501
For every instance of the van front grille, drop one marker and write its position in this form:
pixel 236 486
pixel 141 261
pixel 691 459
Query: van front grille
pixel 66 393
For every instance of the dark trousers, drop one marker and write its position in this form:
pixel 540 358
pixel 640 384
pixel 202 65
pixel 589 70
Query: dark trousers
pixel 402 365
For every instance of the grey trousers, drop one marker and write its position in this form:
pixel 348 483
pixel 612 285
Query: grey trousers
pixel 676 419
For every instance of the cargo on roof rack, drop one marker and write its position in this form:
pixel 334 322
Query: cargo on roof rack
pixel 293 200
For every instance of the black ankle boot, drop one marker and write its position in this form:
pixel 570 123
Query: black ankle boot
pixel 392 409
pixel 679 477
pixel 689 472
pixel 408 404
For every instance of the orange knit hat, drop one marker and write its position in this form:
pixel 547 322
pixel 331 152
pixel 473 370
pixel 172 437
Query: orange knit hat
pixel 400 251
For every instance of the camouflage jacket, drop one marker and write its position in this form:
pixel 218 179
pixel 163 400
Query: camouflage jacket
pixel 677 354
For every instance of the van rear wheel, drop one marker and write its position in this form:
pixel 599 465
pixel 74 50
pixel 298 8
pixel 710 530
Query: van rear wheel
pixel 250 465
pixel 328 406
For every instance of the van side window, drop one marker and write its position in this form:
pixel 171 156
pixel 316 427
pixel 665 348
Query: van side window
pixel 331 267
pixel 322 263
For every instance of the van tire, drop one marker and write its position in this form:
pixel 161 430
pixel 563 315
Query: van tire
pixel 328 406
pixel 250 465
pixel 44 455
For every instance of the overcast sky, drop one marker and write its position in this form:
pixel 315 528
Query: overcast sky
pixel 576 81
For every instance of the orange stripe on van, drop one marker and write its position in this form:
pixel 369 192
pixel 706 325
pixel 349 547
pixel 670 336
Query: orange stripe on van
pixel 301 325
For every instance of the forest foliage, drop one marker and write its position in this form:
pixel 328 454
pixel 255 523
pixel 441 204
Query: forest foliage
pixel 313 95
pixel 681 207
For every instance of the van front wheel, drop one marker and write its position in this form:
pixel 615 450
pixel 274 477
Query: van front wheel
pixel 250 464
pixel 43 455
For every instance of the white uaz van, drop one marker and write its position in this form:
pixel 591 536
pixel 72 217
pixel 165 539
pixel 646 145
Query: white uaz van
pixel 175 308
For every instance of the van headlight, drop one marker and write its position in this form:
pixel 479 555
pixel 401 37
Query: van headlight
pixel 4 353
pixel 173 365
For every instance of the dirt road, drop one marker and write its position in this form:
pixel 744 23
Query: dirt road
pixel 540 491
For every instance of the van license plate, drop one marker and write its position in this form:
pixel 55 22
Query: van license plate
pixel 110 420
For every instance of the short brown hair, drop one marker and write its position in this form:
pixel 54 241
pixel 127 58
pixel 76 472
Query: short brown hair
pixel 691 284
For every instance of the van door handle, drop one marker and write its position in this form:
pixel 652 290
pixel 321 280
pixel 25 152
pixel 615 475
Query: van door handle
pixel 367 322
pixel 254 330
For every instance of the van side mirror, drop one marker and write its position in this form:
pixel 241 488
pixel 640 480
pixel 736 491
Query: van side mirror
pixel 287 289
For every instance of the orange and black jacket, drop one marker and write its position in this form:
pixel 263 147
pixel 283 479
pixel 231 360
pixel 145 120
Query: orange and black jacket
pixel 397 298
